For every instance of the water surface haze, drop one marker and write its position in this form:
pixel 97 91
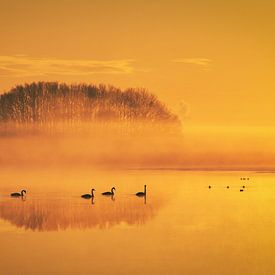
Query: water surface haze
pixel 142 145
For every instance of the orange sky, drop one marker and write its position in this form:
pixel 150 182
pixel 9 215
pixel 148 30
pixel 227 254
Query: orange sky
pixel 211 61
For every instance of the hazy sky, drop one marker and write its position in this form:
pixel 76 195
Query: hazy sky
pixel 213 60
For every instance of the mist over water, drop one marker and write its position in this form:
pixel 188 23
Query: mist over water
pixel 135 145
pixel 89 145
pixel 51 124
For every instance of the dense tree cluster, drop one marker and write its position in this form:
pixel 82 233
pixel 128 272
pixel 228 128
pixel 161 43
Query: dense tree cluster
pixel 48 102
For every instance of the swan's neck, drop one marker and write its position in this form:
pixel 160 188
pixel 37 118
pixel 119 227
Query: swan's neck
pixel 112 191
pixel 92 193
pixel 144 189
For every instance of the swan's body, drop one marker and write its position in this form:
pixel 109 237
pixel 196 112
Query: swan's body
pixel 88 196
pixel 21 194
pixel 142 194
pixel 108 193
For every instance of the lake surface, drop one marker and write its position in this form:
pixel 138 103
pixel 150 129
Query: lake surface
pixel 182 227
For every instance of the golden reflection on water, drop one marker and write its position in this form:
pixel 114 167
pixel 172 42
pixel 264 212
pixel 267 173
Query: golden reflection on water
pixel 46 214
pixel 184 227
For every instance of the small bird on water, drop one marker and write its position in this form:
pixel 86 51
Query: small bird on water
pixel 142 194
pixel 108 193
pixel 21 194
pixel 88 196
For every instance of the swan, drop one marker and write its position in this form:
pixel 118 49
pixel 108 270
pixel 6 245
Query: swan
pixel 108 193
pixel 142 194
pixel 19 194
pixel 88 196
pixel 209 186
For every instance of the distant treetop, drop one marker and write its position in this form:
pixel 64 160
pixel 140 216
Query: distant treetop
pixel 45 102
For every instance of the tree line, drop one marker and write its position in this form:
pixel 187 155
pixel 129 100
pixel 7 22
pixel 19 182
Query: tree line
pixel 46 102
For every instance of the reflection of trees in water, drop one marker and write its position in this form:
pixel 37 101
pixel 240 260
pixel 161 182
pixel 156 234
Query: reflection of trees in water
pixel 52 215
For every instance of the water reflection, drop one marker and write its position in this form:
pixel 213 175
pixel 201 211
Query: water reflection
pixel 22 198
pixel 143 198
pixel 60 214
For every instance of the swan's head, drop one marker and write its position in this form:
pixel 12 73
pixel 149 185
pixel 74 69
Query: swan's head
pixel 113 189
pixel 92 190
pixel 23 191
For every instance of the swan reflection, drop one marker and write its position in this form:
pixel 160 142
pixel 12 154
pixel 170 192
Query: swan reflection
pixel 142 198
pixel 61 214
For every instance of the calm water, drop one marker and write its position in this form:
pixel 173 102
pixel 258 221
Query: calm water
pixel 182 228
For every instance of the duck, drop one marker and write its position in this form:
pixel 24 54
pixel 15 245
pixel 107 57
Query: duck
pixel 21 194
pixel 108 193
pixel 142 194
pixel 88 196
